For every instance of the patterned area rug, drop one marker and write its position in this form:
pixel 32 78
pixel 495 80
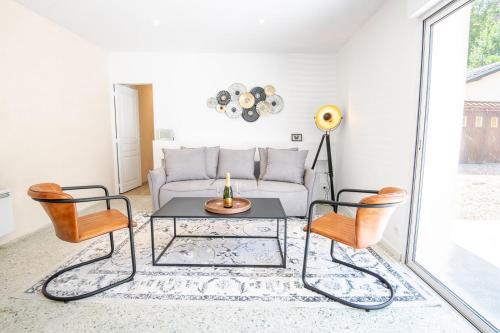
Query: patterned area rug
pixel 167 283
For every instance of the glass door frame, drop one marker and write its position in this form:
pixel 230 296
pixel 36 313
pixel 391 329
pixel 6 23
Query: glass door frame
pixel 420 144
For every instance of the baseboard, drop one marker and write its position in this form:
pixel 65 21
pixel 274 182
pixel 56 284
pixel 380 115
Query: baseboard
pixel 391 250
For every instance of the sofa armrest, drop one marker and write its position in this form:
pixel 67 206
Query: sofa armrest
pixel 310 182
pixel 156 179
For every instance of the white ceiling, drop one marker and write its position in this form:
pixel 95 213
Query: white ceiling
pixel 210 26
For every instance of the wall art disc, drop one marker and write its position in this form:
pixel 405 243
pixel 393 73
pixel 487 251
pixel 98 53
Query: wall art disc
pixel 263 108
pixel 233 110
pixel 269 90
pixel 220 108
pixel 246 100
pixel 236 89
pixel 276 103
pixel 223 97
pixel 250 115
pixel 259 94
pixel 212 102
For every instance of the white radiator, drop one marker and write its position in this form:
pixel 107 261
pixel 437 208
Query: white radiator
pixel 6 219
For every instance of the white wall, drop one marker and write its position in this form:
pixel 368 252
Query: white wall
pixel 419 8
pixel 182 84
pixel 486 89
pixel 379 71
pixel 54 111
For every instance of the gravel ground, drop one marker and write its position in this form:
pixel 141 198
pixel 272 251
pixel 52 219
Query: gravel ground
pixel 478 192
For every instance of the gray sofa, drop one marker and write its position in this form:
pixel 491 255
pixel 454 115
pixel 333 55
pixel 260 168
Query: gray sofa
pixel 295 198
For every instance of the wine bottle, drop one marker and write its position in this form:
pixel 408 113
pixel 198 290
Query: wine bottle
pixel 228 192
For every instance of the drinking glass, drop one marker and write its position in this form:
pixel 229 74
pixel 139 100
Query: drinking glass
pixel 217 188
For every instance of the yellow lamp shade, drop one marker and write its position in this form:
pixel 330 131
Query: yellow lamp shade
pixel 328 117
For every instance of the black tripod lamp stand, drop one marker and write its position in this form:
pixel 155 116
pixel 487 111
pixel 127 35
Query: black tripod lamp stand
pixel 327 118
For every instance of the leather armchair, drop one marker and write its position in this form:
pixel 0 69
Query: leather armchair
pixel 69 227
pixel 366 229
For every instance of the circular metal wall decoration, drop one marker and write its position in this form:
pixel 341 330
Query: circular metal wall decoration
pixel 237 102
pixel 212 102
pixel 259 94
pixel 223 97
pixel 263 108
pixel 236 89
pixel 247 100
pixel 221 108
pixel 269 90
pixel 233 110
pixel 250 115
pixel 276 103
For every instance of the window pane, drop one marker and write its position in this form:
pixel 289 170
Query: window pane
pixel 459 212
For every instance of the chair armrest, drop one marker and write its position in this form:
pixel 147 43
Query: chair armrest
pixel 354 190
pixel 156 179
pixel 92 199
pixel 87 187
pixel 310 182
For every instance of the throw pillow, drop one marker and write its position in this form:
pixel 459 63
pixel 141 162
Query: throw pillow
pixel 240 163
pixel 263 159
pixel 185 164
pixel 285 165
pixel 212 160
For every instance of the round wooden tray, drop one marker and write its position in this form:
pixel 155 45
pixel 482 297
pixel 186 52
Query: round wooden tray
pixel 216 206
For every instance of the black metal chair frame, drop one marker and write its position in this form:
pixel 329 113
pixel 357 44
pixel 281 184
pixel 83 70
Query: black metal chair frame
pixel 335 205
pixel 108 198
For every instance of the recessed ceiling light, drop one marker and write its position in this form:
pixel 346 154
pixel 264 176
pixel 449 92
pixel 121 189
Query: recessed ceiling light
pixel 262 21
pixel 156 22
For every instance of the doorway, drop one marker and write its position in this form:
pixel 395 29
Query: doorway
pixel 134 121
pixel 455 209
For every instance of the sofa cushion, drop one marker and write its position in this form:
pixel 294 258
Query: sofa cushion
pixel 293 197
pixel 212 159
pixel 186 188
pixel 285 165
pixel 263 159
pixel 244 185
pixel 185 164
pixel 273 186
pixel 239 163
pixel 188 185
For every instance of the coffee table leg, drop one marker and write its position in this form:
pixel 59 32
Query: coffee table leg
pixel 284 238
pixel 278 228
pixel 175 227
pixel 152 239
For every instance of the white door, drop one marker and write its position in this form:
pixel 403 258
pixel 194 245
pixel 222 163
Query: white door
pixel 128 137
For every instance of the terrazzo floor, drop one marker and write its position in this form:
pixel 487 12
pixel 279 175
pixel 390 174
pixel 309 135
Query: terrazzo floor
pixel 25 260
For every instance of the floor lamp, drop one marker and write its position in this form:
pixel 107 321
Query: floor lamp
pixel 327 118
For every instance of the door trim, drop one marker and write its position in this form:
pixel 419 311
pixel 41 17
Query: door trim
pixel 469 313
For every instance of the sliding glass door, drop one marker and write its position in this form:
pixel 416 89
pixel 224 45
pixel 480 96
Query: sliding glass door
pixel 455 231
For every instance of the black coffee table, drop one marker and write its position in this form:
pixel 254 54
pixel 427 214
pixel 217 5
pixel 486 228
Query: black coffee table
pixel 193 208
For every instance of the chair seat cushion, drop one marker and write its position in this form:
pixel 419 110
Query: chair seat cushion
pixel 244 185
pixel 337 227
pixel 100 223
pixel 273 186
pixel 188 185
